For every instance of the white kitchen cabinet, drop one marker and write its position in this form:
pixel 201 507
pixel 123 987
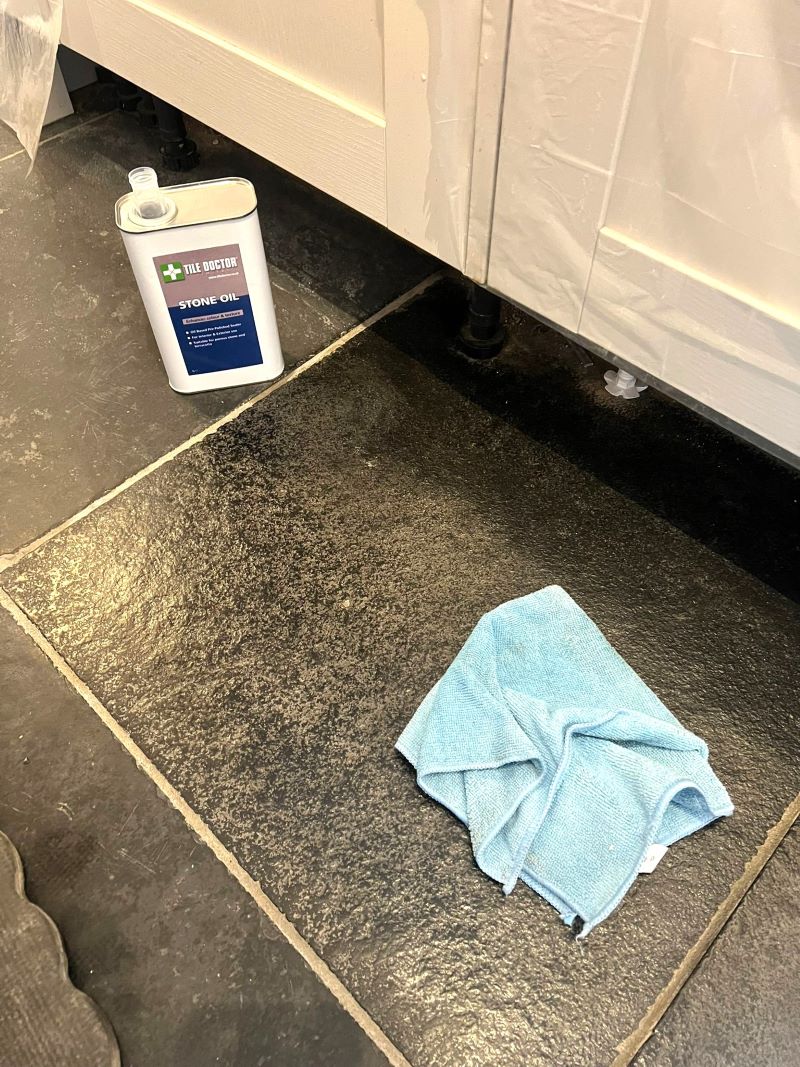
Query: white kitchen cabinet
pixel 627 169
pixel 372 101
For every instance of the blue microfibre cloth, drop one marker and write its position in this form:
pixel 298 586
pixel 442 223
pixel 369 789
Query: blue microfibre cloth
pixel 564 766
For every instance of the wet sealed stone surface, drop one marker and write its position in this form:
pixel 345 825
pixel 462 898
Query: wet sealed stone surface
pixel 264 614
pixel 84 400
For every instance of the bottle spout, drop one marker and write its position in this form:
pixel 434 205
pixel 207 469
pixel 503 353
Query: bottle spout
pixel 143 178
pixel 149 203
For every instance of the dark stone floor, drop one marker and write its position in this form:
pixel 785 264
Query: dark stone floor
pixel 82 398
pixel 264 613
pixel 742 1005
pixel 187 968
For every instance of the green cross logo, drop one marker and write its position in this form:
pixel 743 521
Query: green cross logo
pixel 172 272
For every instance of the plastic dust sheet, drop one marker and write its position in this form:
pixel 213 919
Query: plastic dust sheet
pixel 29 35
pixel 647 193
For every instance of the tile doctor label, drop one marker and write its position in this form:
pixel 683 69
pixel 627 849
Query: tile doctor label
pixel 198 258
pixel 210 308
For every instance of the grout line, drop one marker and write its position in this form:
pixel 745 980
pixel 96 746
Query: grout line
pixel 196 824
pixel 633 1044
pixel 62 133
pixel 12 558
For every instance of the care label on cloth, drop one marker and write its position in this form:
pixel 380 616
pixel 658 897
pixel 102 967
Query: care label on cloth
pixel 652 858
pixel 209 304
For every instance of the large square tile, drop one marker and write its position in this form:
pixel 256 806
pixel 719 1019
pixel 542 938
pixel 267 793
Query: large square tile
pixel 264 614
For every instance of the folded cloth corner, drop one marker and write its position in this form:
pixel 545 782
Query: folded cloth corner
pixel 562 763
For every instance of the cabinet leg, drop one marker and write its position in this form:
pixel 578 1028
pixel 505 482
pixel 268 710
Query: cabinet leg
pixel 178 152
pixel 128 94
pixel 147 113
pixel 482 335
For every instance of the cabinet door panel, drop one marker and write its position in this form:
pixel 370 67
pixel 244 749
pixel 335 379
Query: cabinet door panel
pixel 646 193
pixel 372 101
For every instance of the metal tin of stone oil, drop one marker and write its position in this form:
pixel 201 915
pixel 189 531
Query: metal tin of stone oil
pixel 198 259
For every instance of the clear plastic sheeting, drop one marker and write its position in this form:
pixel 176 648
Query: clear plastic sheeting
pixel 29 36
pixel 569 69
pixel 709 161
pixel 646 194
